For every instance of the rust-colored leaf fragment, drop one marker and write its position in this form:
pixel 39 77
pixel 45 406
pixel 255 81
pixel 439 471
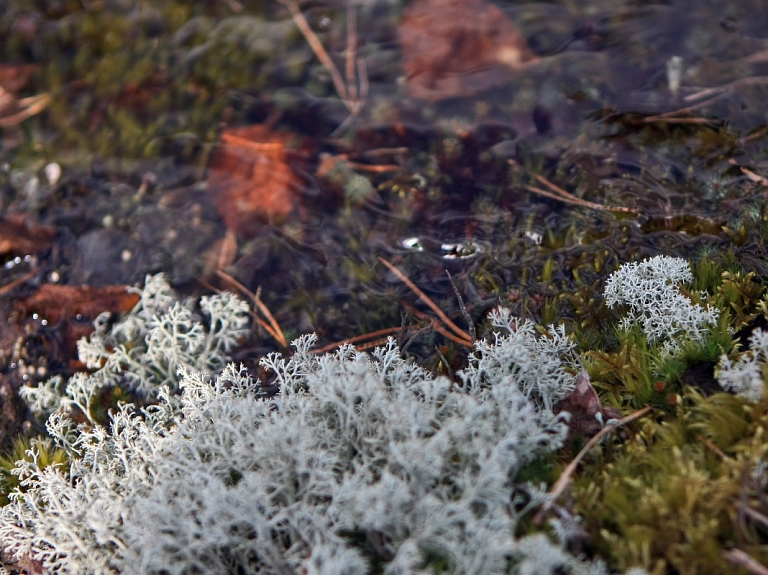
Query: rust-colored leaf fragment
pixel 251 179
pixel 59 315
pixel 20 237
pixel 585 408
pixel 56 303
pixel 459 48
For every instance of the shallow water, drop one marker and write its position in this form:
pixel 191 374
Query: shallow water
pixel 467 120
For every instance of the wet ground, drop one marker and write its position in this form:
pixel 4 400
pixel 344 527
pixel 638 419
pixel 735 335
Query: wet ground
pixel 320 156
pixel 525 148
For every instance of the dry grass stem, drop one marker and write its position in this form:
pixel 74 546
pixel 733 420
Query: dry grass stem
pixel 353 90
pixel 270 325
pixel 565 477
pixel 28 107
pixel 746 561
pixel 555 192
pixel 17 282
pixel 369 340
pixel 435 325
pixel 740 83
pixel 459 335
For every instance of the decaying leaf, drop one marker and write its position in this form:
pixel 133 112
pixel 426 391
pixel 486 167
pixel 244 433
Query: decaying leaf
pixel 57 316
pixel 20 237
pixel 588 415
pixel 459 47
pixel 59 302
pixel 253 179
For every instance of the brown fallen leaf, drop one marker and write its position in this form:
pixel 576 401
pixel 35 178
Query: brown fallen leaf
pixel 56 303
pixel 459 48
pixel 252 178
pixel 60 315
pixel 584 406
pixel 20 237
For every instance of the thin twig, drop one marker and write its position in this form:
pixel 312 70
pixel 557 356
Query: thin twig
pixel 17 282
pixel 565 477
pixel 571 199
pixel 460 333
pixel 435 325
pixel 741 82
pixel 30 106
pixel 558 193
pixel 353 90
pixel 567 196
pixel 666 116
pixel 271 325
pixel 318 49
pixel 351 50
pixel 743 559
pixel 367 338
pixel 754 514
pixel 463 308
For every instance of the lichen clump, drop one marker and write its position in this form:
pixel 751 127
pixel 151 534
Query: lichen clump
pixel 362 463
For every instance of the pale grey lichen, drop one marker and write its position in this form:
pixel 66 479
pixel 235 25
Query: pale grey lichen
pixel 746 376
pixel 361 459
pixel 650 293
pixel 144 350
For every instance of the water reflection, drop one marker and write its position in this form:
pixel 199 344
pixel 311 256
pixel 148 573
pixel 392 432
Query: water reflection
pixel 406 131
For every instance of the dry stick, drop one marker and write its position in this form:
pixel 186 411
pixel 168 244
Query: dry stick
pixel 565 477
pixel 754 514
pixel 31 106
pixel 319 51
pixel 358 338
pixel 674 120
pixel 17 282
pixel 579 202
pixel 743 507
pixel 351 50
pixel 355 107
pixel 273 328
pixel 437 327
pixel 566 196
pixel 460 333
pixel 749 81
pixel 757 178
pixel 754 58
pixel 260 322
pixel 463 308
pixel 742 559
pixel 560 194
pixel 666 116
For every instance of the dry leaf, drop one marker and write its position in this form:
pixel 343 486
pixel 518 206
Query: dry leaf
pixel 20 237
pixel 252 178
pixel 584 406
pixel 458 48
pixel 56 303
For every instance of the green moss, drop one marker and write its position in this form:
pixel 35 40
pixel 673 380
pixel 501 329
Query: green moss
pixel 47 455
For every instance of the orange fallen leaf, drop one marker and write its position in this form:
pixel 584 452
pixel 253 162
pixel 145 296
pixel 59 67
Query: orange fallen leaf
pixel 588 415
pixel 56 303
pixel 20 237
pixel 252 180
pixel 459 47
pixel 62 314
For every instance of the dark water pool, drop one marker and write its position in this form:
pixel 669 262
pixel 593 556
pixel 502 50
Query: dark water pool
pixel 526 148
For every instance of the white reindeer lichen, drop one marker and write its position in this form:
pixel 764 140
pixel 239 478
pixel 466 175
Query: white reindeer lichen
pixel 650 292
pixel 361 462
